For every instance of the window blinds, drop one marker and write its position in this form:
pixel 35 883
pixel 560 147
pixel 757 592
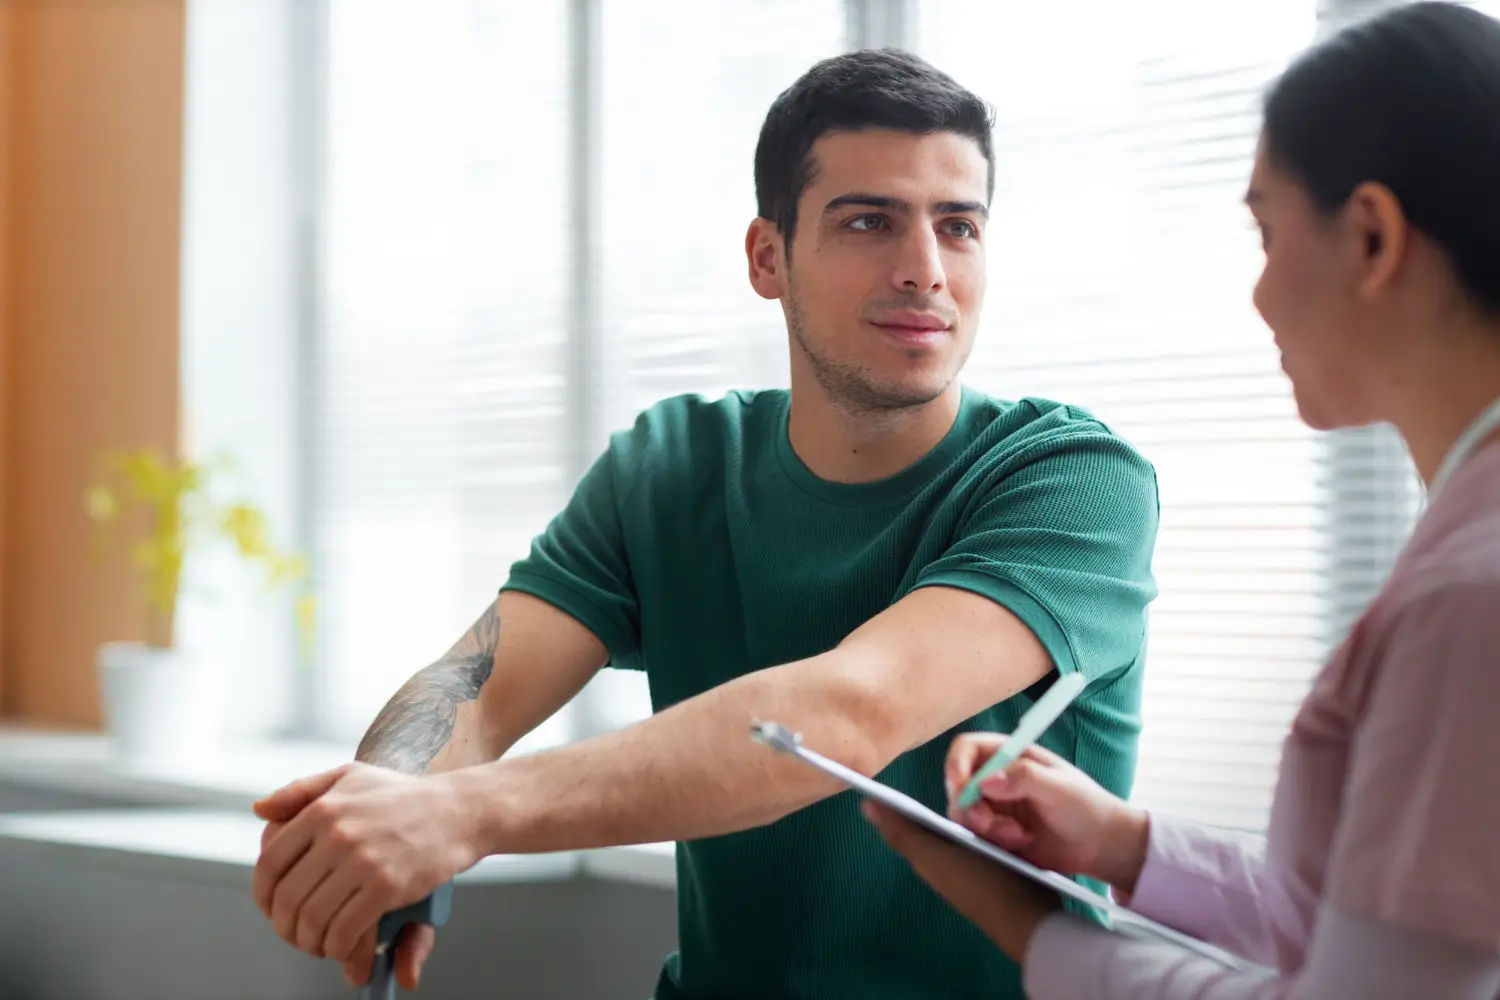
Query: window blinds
pixel 438 377
pixel 1121 268
pixel 1121 265
pixel 686 85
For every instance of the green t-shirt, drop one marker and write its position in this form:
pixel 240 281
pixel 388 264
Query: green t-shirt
pixel 699 548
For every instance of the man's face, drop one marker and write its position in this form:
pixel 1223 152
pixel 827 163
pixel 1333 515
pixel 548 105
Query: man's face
pixel 887 267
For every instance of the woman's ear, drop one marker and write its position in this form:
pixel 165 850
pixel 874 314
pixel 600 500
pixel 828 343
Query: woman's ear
pixel 1382 230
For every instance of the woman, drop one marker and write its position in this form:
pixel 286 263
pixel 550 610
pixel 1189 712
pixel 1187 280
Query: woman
pixel 1377 190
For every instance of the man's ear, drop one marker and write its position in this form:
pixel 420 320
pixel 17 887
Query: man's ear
pixel 766 252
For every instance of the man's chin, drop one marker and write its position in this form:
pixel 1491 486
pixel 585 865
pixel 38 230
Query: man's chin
pixel 904 394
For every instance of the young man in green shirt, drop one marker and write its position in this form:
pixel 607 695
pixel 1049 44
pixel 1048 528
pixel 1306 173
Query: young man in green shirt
pixel 877 559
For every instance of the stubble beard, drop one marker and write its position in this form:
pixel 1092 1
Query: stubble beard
pixel 853 387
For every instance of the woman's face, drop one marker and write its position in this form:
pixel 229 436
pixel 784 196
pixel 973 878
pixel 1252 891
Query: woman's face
pixel 1309 295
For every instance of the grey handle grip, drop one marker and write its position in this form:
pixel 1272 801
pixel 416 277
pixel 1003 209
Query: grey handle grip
pixel 434 909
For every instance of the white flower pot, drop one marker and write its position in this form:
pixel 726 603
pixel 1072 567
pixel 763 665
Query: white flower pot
pixel 158 703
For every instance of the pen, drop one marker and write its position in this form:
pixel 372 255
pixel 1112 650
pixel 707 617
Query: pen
pixel 1035 722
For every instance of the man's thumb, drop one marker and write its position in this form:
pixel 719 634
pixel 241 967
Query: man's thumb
pixel 288 800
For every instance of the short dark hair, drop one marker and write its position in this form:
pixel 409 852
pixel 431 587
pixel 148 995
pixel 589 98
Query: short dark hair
pixel 1410 99
pixel 869 89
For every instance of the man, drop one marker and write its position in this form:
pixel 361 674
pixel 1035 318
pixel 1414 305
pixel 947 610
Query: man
pixel 876 559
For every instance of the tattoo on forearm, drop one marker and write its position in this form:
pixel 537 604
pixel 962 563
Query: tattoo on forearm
pixel 418 721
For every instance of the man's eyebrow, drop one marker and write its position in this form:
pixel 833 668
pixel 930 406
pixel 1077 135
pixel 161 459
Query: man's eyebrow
pixel 962 208
pixel 864 200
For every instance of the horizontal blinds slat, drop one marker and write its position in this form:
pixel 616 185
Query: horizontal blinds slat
pixel 1123 286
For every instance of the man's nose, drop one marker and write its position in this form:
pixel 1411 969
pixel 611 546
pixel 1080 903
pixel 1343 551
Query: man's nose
pixel 919 268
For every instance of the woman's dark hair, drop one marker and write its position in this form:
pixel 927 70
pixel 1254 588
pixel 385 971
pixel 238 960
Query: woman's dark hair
pixel 869 89
pixel 1409 99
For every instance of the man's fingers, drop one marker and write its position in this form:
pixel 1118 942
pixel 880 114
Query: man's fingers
pixel 276 859
pixel 413 947
pixel 356 920
pixel 288 800
pixel 269 833
pixel 359 965
pixel 295 888
pixel 317 912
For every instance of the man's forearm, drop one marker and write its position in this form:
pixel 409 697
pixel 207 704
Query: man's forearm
pixel 688 772
pixel 432 723
pixel 913 672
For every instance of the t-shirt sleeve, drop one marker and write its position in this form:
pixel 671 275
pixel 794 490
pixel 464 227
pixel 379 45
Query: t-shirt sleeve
pixel 1418 840
pixel 579 564
pixel 1064 540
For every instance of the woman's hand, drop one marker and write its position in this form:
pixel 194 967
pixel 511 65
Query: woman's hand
pixel 1006 906
pixel 1050 813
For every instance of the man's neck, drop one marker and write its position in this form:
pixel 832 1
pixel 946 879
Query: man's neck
pixel 844 446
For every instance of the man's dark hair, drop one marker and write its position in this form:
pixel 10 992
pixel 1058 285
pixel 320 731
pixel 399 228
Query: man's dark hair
pixel 870 89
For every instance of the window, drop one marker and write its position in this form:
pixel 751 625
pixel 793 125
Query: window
pixel 439 362
pixel 1121 267
pixel 1122 263
pixel 1121 258
pixel 693 77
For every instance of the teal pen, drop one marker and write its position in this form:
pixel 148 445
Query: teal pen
pixel 1035 722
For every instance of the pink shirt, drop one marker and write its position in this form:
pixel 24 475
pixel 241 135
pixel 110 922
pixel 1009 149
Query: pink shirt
pixel 1387 808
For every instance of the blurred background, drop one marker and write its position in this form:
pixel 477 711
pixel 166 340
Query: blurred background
pixel 404 264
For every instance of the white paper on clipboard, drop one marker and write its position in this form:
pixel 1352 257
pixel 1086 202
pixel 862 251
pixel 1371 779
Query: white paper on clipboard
pixel 1120 919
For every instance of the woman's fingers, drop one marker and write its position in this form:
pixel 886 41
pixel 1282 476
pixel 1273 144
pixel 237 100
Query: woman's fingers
pixel 967 754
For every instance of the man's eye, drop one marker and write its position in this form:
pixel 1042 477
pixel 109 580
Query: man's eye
pixel 867 223
pixel 963 229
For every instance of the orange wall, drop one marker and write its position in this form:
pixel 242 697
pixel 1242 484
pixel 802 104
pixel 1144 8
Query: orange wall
pixel 7 67
pixel 96 164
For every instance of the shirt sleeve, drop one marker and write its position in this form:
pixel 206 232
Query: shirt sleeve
pixel 1418 840
pixel 1215 885
pixel 579 564
pixel 1350 959
pixel 1064 542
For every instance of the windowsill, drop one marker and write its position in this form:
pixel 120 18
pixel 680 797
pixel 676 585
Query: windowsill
pixel 200 818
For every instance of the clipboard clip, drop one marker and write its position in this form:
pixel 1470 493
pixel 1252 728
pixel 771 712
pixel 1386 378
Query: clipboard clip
pixel 776 736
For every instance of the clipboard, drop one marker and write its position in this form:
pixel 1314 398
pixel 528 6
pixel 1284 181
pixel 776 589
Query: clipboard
pixel 1117 918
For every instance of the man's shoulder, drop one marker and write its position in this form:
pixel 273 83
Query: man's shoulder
pixel 1003 426
pixel 694 409
pixel 1066 449
pixel 695 430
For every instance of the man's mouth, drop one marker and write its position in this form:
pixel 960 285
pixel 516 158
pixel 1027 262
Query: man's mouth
pixel 914 329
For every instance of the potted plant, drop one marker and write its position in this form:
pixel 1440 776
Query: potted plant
pixel 151 692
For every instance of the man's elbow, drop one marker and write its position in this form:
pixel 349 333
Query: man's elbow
pixel 865 722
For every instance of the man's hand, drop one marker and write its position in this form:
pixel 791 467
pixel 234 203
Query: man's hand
pixel 1006 906
pixel 344 847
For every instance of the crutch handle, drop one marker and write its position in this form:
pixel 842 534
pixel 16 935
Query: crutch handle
pixel 434 909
